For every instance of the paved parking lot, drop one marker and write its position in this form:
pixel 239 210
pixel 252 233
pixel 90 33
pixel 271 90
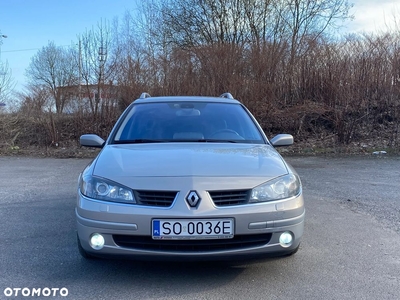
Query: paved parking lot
pixel 350 248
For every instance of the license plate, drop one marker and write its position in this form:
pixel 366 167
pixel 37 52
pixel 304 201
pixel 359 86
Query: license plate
pixel 193 229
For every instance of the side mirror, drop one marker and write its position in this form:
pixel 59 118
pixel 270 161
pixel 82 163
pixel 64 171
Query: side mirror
pixel 282 140
pixel 91 140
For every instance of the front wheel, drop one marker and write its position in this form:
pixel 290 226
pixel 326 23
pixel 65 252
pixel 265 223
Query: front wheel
pixel 294 251
pixel 82 251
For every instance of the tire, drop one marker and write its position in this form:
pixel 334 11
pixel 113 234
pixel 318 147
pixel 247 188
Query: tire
pixel 82 251
pixel 294 251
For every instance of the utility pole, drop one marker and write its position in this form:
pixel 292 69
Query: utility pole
pixel 102 60
pixel 80 72
pixel 2 70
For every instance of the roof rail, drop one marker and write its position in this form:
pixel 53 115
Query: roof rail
pixel 144 96
pixel 227 95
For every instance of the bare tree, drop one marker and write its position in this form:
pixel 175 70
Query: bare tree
pixel 35 100
pixel 304 22
pixel 305 19
pixel 98 64
pixel 190 23
pixel 55 68
pixel 7 83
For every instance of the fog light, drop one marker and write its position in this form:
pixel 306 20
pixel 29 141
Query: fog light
pixel 97 241
pixel 286 239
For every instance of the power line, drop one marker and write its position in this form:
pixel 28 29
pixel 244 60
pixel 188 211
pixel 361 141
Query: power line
pixel 19 50
pixel 32 49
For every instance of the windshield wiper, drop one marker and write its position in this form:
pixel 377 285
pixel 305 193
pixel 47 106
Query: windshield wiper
pixel 200 141
pixel 138 141
pixel 216 141
pixel 144 141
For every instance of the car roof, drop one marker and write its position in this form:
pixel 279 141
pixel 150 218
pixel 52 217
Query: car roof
pixel 186 99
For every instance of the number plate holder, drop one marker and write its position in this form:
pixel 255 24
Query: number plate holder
pixel 169 229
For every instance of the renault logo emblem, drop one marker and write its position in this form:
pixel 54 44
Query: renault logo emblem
pixel 193 199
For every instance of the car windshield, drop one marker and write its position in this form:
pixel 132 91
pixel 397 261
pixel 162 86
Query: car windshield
pixel 187 122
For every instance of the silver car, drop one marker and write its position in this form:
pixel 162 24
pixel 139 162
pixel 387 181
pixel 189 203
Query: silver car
pixel 188 178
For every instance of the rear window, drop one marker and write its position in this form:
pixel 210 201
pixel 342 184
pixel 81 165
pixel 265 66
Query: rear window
pixel 188 121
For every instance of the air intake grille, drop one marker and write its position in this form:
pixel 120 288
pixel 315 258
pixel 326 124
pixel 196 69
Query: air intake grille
pixel 236 243
pixel 155 198
pixel 229 198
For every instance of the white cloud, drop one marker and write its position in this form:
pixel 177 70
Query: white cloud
pixel 374 15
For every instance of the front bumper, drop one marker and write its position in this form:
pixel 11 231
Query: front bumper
pixel 127 230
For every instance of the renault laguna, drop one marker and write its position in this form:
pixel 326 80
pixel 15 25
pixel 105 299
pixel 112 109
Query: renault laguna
pixel 188 178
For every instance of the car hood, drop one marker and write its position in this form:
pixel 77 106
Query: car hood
pixel 189 160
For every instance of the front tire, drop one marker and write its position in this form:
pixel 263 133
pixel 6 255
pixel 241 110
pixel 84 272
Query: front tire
pixel 82 251
pixel 294 251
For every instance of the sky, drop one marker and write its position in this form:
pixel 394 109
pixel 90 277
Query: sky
pixel 32 24
pixel 373 15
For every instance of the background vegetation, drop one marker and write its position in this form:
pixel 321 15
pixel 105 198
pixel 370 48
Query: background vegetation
pixel 281 58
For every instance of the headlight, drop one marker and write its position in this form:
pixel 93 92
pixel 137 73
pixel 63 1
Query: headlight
pixel 103 189
pixel 279 188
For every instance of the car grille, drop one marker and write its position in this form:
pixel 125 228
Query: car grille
pixel 228 198
pixel 236 243
pixel 155 198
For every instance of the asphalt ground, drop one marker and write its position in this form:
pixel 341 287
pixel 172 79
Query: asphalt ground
pixel 350 249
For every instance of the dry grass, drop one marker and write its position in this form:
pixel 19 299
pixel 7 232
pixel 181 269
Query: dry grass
pixel 58 136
